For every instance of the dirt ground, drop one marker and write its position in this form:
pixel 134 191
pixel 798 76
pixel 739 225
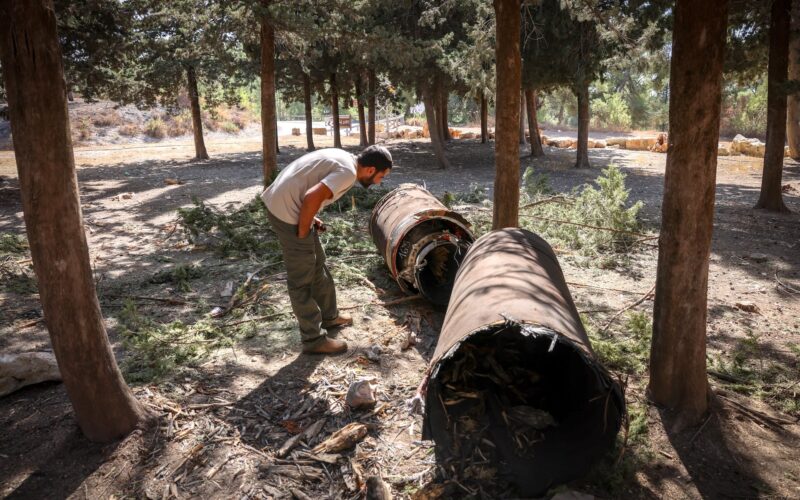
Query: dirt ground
pixel 221 422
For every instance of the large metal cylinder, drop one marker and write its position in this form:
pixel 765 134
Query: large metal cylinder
pixel 422 241
pixel 514 378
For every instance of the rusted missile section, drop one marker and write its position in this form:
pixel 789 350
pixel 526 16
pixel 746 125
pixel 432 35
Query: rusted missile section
pixel 514 382
pixel 422 241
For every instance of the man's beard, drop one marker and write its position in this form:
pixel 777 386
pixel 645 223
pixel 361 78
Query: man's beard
pixel 368 182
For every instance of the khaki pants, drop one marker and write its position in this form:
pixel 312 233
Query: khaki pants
pixel 311 288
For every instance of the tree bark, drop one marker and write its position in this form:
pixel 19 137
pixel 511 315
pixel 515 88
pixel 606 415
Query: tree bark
pixel 678 377
pixel 771 197
pixel 372 89
pixel 582 160
pixel 362 123
pixel 793 102
pixel 309 117
pixel 269 122
pixel 533 124
pixel 509 82
pixel 484 119
pixel 34 81
pixel 200 152
pixel 522 119
pixel 337 137
pixel 442 119
pixel 430 102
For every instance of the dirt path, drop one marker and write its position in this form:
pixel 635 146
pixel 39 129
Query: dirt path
pixel 247 397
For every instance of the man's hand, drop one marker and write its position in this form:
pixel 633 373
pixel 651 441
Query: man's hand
pixel 312 201
pixel 319 225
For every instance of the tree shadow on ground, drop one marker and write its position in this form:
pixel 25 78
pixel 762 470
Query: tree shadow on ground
pixel 719 458
pixel 43 453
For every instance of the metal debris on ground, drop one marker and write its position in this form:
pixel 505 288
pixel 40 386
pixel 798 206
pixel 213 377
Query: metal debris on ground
pixel 421 240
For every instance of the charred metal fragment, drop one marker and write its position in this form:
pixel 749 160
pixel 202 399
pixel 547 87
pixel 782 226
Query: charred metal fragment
pixel 514 383
pixel 422 241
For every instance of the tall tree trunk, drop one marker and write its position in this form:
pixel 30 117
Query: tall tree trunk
pixel 522 119
pixel 441 117
pixel 337 137
pixel 582 160
pixel 197 120
pixel 793 102
pixel 509 81
pixel 372 91
pixel 430 102
pixel 309 118
pixel 484 119
pixel 533 123
pixel 269 122
pixel 362 123
pixel 34 81
pixel 678 377
pixel 771 197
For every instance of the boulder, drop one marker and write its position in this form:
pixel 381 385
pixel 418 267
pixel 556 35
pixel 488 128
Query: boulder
pixel 723 151
pixel 561 143
pixel 27 368
pixel 599 144
pixel 320 131
pixel 616 141
pixel 468 135
pixel 295 131
pixel 640 143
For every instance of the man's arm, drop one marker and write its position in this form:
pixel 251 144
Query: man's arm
pixel 311 203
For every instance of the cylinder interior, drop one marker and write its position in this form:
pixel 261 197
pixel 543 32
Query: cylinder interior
pixel 540 410
pixel 436 270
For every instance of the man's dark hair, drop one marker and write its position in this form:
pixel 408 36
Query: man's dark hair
pixel 376 156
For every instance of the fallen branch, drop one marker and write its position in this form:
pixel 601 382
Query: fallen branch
pixel 590 226
pixel 257 318
pixel 170 301
pixel 784 286
pixel 627 308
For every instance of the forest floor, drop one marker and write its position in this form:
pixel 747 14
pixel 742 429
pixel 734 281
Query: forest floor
pixel 229 392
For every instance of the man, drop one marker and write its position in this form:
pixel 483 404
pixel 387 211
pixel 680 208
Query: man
pixel 308 184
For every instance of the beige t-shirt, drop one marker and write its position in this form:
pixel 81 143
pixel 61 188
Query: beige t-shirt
pixel 335 168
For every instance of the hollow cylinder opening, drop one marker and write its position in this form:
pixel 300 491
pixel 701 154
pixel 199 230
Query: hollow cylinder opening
pixel 435 272
pixel 539 408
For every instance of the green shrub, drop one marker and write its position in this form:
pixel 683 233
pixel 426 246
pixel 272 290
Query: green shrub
pixel 230 128
pixel 155 128
pixel 602 206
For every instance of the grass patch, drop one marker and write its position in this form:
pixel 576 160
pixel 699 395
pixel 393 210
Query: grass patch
pixel 755 370
pixel 129 130
pixel 240 231
pixel 13 244
pixel 627 351
pixel 155 128
pixel 475 194
pixel 180 275
pixel 16 277
pixel 155 350
pixel 612 476
pixel 107 119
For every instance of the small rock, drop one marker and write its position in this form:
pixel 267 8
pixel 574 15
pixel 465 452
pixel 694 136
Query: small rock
pixel 373 353
pixel 172 181
pixel 228 290
pixel 748 307
pixel 361 394
pixel 757 257
pixel 27 368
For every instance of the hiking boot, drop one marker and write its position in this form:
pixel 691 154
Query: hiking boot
pixel 338 322
pixel 327 346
